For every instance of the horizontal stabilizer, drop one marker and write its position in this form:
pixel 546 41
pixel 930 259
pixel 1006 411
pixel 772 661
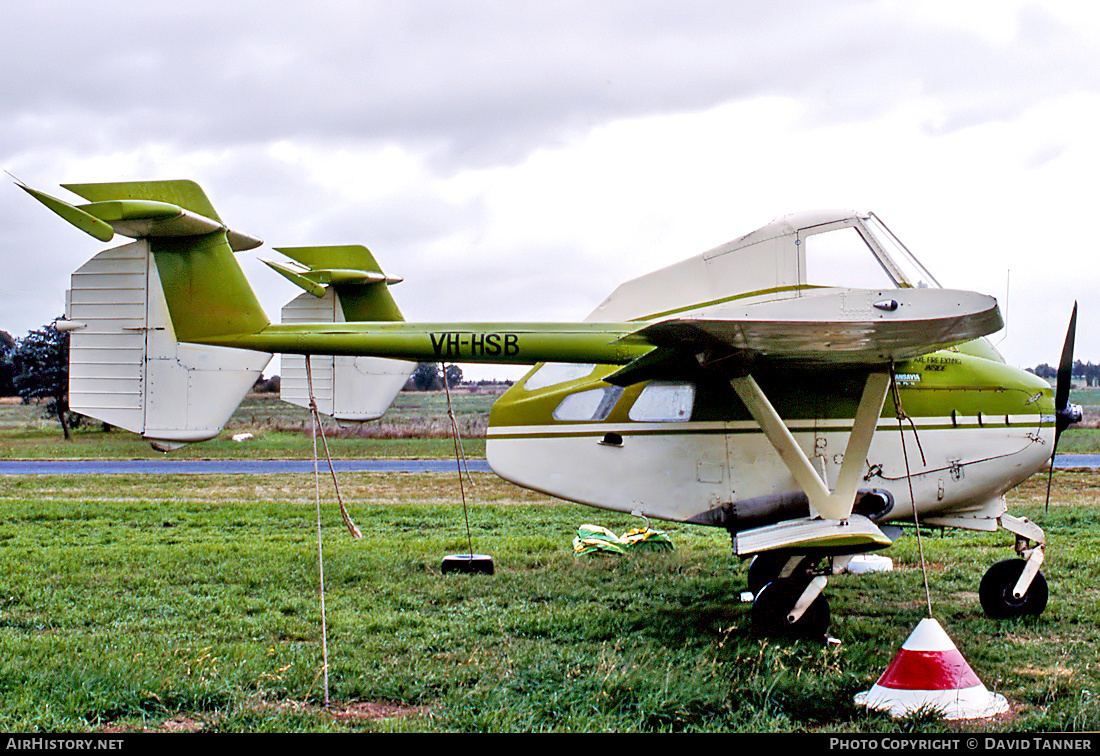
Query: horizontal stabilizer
pixel 346 258
pixel 344 284
pixel 81 219
pixel 315 267
pixel 296 278
pixel 143 210
pixel 350 270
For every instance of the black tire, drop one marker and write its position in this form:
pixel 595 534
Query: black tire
pixel 766 566
pixel 773 604
pixel 468 564
pixel 995 592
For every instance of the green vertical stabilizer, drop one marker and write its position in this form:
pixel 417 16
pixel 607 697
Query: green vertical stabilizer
pixel 206 290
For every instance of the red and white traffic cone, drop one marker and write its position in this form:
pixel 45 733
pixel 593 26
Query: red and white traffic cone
pixel 930 673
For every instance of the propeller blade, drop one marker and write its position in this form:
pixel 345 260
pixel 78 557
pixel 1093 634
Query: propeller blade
pixel 1064 414
pixel 1065 366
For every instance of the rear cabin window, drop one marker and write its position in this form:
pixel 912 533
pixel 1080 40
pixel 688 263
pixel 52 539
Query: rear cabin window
pixel 664 403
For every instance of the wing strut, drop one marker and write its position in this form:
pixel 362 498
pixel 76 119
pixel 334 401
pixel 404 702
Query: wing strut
pixel 837 504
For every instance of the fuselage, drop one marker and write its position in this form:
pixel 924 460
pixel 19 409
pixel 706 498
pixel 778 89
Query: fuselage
pixel 688 450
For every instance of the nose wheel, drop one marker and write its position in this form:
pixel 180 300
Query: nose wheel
pixel 997 591
pixel 1015 587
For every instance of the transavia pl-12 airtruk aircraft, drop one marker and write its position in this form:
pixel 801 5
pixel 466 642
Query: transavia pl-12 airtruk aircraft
pixel 807 386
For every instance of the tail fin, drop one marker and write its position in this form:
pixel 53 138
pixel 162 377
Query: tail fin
pixel 342 283
pixel 130 308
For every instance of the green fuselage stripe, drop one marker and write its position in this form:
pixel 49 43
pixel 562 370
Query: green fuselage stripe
pixel 673 430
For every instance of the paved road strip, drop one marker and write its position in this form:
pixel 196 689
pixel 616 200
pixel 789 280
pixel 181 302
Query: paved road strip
pixel 224 466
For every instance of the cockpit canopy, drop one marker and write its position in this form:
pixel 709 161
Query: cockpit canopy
pixel 789 257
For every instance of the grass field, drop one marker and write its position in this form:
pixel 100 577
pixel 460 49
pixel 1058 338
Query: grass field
pixel 177 603
pixel 191 603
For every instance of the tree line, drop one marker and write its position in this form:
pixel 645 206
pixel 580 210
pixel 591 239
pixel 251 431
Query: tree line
pixel 36 368
pixel 1086 370
pixel 427 376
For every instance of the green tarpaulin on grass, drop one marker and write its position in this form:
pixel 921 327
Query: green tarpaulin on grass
pixel 596 539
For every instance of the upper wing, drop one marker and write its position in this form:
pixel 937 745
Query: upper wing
pixel 849 327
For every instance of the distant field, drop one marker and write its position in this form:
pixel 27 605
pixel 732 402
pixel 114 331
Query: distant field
pixel 1083 438
pixel 417 426
pixel 168 604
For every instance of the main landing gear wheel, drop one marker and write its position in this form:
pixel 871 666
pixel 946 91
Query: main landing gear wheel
pixel 767 566
pixel 763 569
pixel 772 607
pixel 995 592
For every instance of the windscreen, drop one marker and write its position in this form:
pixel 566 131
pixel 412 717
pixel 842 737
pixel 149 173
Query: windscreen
pixel 915 274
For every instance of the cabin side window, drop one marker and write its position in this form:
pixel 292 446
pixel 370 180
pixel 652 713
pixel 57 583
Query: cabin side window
pixel 588 406
pixel 664 403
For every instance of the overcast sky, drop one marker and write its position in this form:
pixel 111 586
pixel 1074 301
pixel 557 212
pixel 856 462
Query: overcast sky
pixel 518 160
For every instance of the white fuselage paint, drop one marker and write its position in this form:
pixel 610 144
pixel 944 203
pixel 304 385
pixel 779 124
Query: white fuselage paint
pixel 678 471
